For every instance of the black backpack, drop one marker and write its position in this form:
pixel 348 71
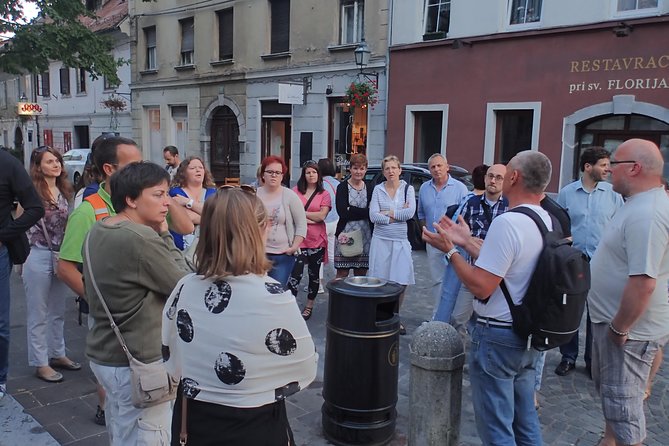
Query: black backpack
pixel 551 311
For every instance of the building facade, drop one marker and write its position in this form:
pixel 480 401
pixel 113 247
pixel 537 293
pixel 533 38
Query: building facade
pixel 77 108
pixel 13 130
pixel 234 81
pixel 482 83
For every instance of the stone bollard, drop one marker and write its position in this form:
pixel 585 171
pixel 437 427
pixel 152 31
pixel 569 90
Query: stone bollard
pixel 435 385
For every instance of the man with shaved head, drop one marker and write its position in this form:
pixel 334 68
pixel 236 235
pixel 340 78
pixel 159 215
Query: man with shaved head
pixel 628 298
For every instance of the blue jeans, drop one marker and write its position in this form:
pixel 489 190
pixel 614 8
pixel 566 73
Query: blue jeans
pixel 502 373
pixel 5 270
pixel 282 266
pixel 450 287
pixel 569 350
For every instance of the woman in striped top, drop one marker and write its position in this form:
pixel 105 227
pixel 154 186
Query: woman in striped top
pixel 393 203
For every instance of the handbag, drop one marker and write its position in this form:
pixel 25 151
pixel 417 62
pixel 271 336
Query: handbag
pixel 55 255
pixel 150 383
pixel 350 243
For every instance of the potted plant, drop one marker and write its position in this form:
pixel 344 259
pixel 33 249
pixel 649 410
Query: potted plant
pixel 361 94
pixel 114 103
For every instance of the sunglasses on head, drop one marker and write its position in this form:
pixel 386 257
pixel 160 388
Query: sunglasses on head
pixel 40 149
pixel 310 163
pixel 245 187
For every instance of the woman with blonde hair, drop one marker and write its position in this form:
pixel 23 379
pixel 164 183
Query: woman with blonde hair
pixel 191 186
pixel 45 294
pixel 233 335
pixel 393 203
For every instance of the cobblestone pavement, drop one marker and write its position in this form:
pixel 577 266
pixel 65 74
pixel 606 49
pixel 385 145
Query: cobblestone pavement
pixel 46 414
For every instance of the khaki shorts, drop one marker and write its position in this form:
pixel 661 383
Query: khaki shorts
pixel 620 374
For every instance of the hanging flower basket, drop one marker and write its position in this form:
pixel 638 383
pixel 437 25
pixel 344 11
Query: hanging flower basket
pixel 361 94
pixel 114 103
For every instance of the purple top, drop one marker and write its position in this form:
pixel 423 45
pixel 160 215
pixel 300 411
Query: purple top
pixel 55 218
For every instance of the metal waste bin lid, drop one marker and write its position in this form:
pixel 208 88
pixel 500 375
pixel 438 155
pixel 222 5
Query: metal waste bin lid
pixel 364 281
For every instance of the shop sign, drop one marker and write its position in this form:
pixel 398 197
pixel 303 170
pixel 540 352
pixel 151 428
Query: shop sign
pixel 291 94
pixel 622 73
pixel 29 109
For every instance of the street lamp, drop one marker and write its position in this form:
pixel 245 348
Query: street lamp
pixel 362 54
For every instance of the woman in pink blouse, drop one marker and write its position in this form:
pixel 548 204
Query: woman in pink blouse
pixel 317 204
pixel 45 293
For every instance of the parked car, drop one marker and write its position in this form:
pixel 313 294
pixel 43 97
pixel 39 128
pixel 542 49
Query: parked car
pixel 74 161
pixel 416 174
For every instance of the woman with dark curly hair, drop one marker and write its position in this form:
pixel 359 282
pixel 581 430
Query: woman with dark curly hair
pixel 191 186
pixel 45 293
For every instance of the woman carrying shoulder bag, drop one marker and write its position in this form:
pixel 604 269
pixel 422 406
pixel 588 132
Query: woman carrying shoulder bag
pixel 46 295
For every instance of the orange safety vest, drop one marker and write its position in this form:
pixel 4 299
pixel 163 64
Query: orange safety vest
pixel 99 206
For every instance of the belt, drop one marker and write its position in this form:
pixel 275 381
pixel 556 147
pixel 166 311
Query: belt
pixel 492 322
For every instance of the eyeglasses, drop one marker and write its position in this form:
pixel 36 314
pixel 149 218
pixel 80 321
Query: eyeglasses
pixel 273 173
pixel 245 187
pixel 495 177
pixel 613 163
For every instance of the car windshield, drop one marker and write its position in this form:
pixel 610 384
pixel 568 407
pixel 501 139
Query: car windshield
pixel 73 155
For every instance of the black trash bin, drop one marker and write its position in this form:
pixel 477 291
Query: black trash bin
pixel 361 361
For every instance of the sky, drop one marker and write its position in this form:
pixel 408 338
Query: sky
pixel 30 10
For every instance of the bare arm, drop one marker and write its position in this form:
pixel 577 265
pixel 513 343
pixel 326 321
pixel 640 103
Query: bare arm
pixel 450 233
pixel 69 273
pixel 634 303
pixel 179 221
pixel 318 216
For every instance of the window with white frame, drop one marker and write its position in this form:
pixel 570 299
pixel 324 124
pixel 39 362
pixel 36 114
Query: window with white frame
pixel 152 128
pixel 627 6
pixel 150 37
pixel 352 21
pixel 525 11
pixel 511 127
pixel 180 127
pixel 425 130
pixel 187 41
pixel 437 17
pixel 44 85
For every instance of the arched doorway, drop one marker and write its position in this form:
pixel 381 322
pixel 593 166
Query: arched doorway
pixel 18 139
pixel 610 131
pixel 224 158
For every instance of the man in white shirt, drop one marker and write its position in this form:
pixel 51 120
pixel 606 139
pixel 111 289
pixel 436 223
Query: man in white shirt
pixel 501 367
pixel 172 160
pixel 628 297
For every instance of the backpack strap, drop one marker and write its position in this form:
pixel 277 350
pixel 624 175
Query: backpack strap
pixel 99 206
pixel 534 216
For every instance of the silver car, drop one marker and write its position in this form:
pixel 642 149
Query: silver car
pixel 75 160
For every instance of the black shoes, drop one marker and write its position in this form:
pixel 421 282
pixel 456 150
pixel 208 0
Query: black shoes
pixel 564 368
pixel 100 416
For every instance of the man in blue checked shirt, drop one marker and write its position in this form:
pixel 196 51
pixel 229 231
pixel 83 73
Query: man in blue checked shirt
pixel 478 212
pixel 434 197
pixel 591 203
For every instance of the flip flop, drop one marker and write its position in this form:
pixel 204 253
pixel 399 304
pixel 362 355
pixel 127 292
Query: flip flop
pixel 68 365
pixel 306 313
pixel 55 377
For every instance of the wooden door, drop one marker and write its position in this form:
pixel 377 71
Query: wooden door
pixel 224 158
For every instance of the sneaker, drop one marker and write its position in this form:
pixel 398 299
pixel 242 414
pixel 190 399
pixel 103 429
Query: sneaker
pixel 321 290
pixel 100 417
pixel 564 368
pixel 3 390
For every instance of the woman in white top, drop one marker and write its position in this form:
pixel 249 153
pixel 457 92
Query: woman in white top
pixel 287 219
pixel 393 203
pixel 233 335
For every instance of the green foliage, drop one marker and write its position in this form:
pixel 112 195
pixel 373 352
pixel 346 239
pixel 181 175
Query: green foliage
pixel 56 34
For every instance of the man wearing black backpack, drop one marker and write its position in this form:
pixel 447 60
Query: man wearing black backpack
pixel 501 364
pixel 628 299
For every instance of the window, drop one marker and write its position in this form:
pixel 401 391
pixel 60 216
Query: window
pixel 44 86
pixel 352 21
pixel 633 5
pixel 514 133
pixel 280 26
pixel 93 5
pixel 48 137
pixel 3 95
pixel 155 136
pixel 510 127
pixel 108 84
pixel 81 81
pixel 67 141
pixel 425 131
pixel 65 81
pixel 187 41
pixel 225 26
pixel 525 11
pixel 180 127
pixel 150 36
pixel 437 17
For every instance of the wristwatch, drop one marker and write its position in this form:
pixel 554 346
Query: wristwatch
pixel 190 203
pixel 450 253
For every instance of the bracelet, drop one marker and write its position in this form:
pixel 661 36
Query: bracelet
pixel 616 332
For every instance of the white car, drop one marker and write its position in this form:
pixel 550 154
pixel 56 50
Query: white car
pixel 74 161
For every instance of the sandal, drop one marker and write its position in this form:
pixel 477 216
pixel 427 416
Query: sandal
pixel 306 313
pixel 64 364
pixel 54 377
